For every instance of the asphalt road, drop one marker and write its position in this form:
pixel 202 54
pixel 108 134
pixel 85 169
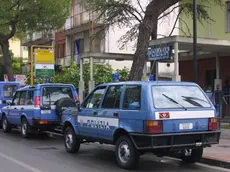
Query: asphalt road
pixel 44 154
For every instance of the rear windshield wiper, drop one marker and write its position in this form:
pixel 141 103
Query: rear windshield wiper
pixel 195 98
pixel 191 101
pixel 174 101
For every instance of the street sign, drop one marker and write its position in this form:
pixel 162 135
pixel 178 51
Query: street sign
pixel 44 70
pixel 44 56
pixel 21 79
pixel 162 52
pixel 43 73
pixel 17 78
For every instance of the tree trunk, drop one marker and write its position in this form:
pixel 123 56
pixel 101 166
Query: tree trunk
pixel 139 58
pixel 147 28
pixel 7 61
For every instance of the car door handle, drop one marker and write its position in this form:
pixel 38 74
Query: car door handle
pixel 15 108
pixel 94 113
pixel 115 114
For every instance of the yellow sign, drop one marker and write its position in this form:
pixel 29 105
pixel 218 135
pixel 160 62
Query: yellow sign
pixel 44 57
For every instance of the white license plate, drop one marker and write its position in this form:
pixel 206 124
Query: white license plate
pixel 186 126
pixel 45 111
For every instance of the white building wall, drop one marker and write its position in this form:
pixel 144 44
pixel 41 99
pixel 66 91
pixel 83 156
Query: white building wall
pixel 166 24
pixel 112 45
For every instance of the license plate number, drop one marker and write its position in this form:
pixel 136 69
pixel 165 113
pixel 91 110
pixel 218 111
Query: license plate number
pixel 186 126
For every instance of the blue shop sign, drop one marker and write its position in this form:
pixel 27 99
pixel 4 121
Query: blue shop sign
pixel 159 52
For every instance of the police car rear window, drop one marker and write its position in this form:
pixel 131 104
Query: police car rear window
pixel 52 94
pixel 9 91
pixel 179 97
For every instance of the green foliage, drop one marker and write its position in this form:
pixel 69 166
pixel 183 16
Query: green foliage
pixel 123 73
pixel 16 65
pixel 71 75
pixel 31 15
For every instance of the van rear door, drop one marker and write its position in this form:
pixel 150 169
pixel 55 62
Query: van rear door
pixel 182 108
pixel 50 95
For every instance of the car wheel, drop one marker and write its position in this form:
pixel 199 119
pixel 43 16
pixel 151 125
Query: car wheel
pixel 5 125
pixel 195 156
pixel 24 128
pixel 72 143
pixel 126 154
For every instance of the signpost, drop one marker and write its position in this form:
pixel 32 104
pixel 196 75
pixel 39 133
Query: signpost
pixel 162 52
pixel 43 62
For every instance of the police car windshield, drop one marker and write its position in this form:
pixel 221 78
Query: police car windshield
pixel 186 96
pixel 9 91
pixel 51 94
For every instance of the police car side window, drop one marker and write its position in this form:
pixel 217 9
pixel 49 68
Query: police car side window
pixel 132 97
pixel 16 98
pixel 93 101
pixel 112 97
pixel 30 98
pixel 22 100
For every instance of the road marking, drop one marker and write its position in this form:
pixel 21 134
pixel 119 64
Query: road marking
pixel 19 163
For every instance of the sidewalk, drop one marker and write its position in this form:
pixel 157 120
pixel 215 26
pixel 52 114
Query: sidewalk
pixel 219 155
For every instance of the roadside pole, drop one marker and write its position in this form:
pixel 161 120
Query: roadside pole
pixel 195 40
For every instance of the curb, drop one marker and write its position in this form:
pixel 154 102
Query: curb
pixel 214 162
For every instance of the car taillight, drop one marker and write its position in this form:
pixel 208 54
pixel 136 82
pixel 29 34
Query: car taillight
pixel 153 127
pixel 77 98
pixel 37 101
pixel 212 124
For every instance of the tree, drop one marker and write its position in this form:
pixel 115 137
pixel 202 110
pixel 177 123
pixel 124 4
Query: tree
pixel 18 17
pixel 123 74
pixel 142 21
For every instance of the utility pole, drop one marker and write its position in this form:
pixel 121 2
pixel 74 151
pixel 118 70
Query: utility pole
pixel 195 40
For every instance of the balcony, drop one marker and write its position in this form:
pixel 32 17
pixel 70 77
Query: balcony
pixel 38 38
pixel 80 22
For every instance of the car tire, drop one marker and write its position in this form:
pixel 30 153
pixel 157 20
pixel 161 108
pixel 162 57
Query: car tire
pixel 126 154
pixel 25 128
pixel 72 142
pixel 64 103
pixel 5 125
pixel 195 156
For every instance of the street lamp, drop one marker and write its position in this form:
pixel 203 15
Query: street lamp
pixel 195 40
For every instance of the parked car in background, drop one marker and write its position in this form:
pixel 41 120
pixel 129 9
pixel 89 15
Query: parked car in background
pixel 38 108
pixel 7 91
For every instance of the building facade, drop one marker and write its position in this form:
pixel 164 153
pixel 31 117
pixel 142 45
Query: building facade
pixel 218 28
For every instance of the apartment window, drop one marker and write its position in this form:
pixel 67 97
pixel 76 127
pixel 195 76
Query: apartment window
pixel 228 16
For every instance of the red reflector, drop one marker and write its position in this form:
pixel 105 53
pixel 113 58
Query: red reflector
pixel 37 101
pixel 43 122
pixel 212 124
pixel 77 98
pixel 164 115
pixel 153 127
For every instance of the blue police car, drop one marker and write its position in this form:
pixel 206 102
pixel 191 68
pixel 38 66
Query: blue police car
pixel 38 108
pixel 163 118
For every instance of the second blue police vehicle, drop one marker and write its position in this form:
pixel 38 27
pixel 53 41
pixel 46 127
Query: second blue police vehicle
pixel 38 108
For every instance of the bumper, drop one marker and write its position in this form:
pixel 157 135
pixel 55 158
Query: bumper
pixel 175 140
pixel 45 124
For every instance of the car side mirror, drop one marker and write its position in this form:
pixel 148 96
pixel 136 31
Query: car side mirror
pixel 78 105
pixel 4 102
pixel 11 104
